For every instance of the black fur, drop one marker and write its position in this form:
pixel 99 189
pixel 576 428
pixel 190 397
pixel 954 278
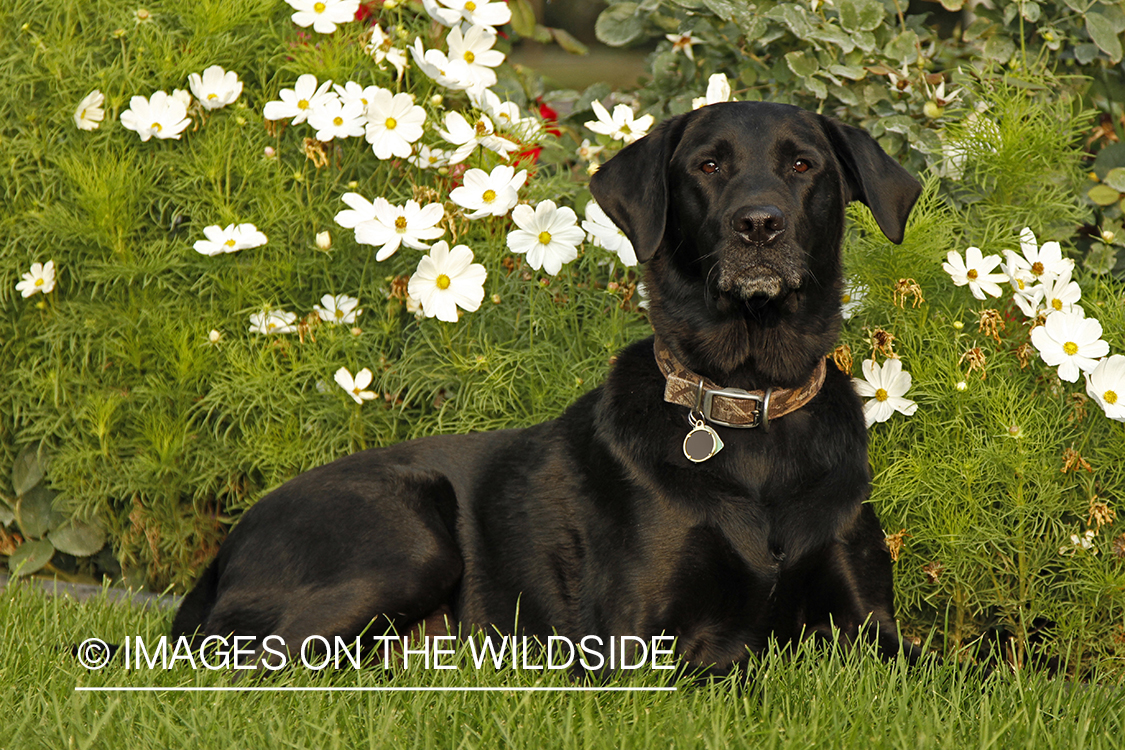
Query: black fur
pixel 595 522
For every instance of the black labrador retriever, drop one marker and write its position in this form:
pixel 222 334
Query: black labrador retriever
pixel 712 489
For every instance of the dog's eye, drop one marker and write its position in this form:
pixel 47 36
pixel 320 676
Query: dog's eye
pixel 801 166
pixel 709 167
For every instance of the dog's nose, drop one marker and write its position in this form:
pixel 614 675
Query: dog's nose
pixel 759 225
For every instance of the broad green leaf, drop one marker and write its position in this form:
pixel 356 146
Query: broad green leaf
pixel 852 72
pixel 77 538
pixel 1115 178
pixel 1079 6
pixel 999 48
pixel 1031 11
pixel 861 15
pixel 802 64
pixel 30 557
pixel 953 5
pixel 1085 53
pixel 1109 157
pixel 619 24
pixel 903 48
pixel 1102 34
pixel 976 29
pixel 1103 195
pixel 523 17
pixel 568 42
pixel 7 515
pixel 27 471
pixel 33 511
pixel 833 35
pixel 1101 259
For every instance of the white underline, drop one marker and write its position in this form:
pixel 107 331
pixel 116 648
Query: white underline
pixel 258 689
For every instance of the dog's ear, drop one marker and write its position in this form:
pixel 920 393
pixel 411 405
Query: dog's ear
pixel 632 187
pixel 874 178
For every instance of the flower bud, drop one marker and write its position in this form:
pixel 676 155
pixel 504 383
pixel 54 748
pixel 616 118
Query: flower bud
pixel 323 240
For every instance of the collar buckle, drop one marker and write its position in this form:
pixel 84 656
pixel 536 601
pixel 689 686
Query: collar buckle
pixel 761 414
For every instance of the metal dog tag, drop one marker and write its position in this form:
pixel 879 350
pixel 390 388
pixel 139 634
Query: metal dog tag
pixel 701 442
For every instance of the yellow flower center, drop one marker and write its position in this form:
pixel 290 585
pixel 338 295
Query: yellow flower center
pixel 212 96
pixel 1070 348
pixel 470 6
pixel 469 56
pixel 339 314
pixel 846 298
pixel 1056 303
pixel 155 127
pixel 442 281
pixel 400 224
pixel 270 327
pixel 881 394
pixel 318 8
pixel 229 243
pixel 625 129
pixel 40 282
pixel 303 104
pixel 972 274
pixel 1037 268
pixel 355 390
pixel 545 237
pixel 1019 283
pixel 391 123
pixel 489 196
pixel 338 121
pixel 1110 397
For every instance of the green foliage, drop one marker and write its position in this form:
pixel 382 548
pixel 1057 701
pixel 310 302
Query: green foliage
pixel 166 435
pixel 979 486
pixel 869 62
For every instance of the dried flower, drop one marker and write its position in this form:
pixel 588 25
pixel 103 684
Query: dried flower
pixel 314 151
pixel 882 342
pixel 976 359
pixel 842 356
pixel 904 287
pixel 933 571
pixel 1072 461
pixel 895 542
pixel 990 323
pixel 1100 514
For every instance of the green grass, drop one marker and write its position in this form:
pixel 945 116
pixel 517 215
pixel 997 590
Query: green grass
pixel 825 700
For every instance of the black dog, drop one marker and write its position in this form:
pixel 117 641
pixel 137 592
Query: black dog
pixel 611 520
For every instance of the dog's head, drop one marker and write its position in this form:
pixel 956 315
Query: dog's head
pixel 740 206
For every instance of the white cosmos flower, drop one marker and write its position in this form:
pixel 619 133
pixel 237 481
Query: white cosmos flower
pixel 1060 294
pixel 323 15
pixel 184 97
pixel 447 279
pixel 604 233
pixel 229 239
pixel 851 298
pixel 338 309
pixel 359 210
pixel 620 125
pixel 161 115
pixel 548 234
pixel 474 47
pixel 429 158
pixel 718 90
pixel 392 226
pixel 489 193
pixel 683 43
pixel 1046 262
pixel 452 74
pixel 333 118
pixel 216 87
pixel 1030 300
pixel 1106 385
pixel 299 101
pixel 1084 542
pixel 444 16
pixel 273 321
pixel 589 151
pixel 885 385
pixel 381 47
pixel 506 115
pixel 394 122
pixel 974 271
pixel 353 92
pixel 1018 271
pixel 483 13
pixel 467 137
pixel 355 386
pixel 39 280
pixel 1070 342
pixel 89 114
